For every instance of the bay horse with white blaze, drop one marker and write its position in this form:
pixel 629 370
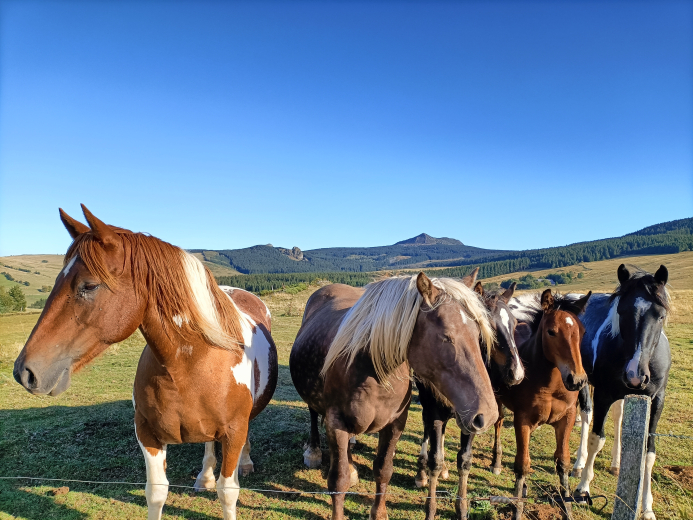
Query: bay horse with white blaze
pixel 624 351
pixel 352 358
pixel 209 365
pixel 548 394
pixel 504 368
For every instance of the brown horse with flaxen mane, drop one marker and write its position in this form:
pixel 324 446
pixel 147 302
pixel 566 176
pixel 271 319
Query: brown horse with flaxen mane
pixel 209 365
pixel 352 359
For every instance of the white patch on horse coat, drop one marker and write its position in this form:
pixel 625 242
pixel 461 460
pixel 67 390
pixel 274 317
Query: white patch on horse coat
pixel 525 307
pixel 229 290
pixel 255 350
pixel 205 479
pixel 594 446
pixel 156 489
pixel 424 447
pixel 642 305
pixel 228 490
pixel 632 367
pixel 569 321
pixel 505 319
pixel 69 266
pixel 185 349
pixel 611 321
pixel 581 455
pixel 178 320
pixel 464 317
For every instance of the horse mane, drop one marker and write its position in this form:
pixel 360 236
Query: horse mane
pixel 533 313
pixel 180 287
pixel 383 321
pixel 647 281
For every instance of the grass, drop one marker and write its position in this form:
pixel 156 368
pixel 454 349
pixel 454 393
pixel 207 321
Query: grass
pixel 87 434
pixel 49 266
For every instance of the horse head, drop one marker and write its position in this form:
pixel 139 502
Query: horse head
pixel 92 305
pixel 505 354
pixel 445 351
pixel 561 333
pixel 642 309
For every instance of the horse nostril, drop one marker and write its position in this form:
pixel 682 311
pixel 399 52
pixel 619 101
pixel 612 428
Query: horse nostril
pixel 30 379
pixel 645 379
pixel 478 421
pixel 570 380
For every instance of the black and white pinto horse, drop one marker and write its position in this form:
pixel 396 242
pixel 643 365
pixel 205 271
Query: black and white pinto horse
pixel 624 351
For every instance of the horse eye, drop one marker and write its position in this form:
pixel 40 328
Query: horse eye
pixel 552 332
pixel 91 286
pixel 447 339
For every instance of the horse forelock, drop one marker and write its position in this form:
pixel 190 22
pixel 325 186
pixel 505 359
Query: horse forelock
pixel 641 279
pixel 383 321
pixel 181 288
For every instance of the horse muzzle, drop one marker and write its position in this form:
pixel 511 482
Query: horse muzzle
pixel 52 380
pixel 574 382
pixel 478 423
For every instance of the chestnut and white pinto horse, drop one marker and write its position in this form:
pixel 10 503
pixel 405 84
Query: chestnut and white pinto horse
pixel 209 366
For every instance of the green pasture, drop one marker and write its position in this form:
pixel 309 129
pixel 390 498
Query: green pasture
pixel 87 434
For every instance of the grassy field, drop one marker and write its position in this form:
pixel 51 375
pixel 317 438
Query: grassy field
pixel 87 434
pixel 44 270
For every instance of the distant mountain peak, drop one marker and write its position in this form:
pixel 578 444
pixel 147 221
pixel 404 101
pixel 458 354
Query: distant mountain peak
pixel 427 240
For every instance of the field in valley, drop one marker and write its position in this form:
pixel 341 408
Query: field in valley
pixel 87 434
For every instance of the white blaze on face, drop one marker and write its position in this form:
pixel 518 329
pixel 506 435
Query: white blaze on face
pixel 505 318
pixel 69 265
pixel 642 305
pixel 569 321
pixel 464 317
pixel 632 367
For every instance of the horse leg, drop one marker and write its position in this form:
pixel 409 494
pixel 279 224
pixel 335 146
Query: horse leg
pixel 522 465
pixel 496 464
pixel 338 477
pixel 464 465
pixel 655 414
pixel 205 479
pixel 595 442
pixel 353 473
pixel 617 415
pixel 228 487
pixel 586 418
pixel 421 479
pixel 444 472
pixel 246 466
pixel 154 453
pixel 382 465
pixel 312 457
pixel 435 465
pixel 561 458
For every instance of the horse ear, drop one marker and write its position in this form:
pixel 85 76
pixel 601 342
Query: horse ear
pixel 478 288
pixel 662 275
pixel 582 302
pixel 509 292
pixel 74 227
pixel 547 302
pixel 102 232
pixel 622 273
pixel 426 288
pixel 470 278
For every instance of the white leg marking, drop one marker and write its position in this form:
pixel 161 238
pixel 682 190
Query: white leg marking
pixel 205 480
pixel 424 447
pixel 647 512
pixel 617 412
pixel 352 440
pixel 228 490
pixel 594 446
pixel 581 455
pixel 156 489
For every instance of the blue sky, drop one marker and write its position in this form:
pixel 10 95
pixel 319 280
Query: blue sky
pixel 507 125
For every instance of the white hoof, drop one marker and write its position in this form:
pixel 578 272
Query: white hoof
pixel 353 476
pixel 444 474
pixel 614 471
pixel 649 515
pixel 496 470
pixel 205 484
pixel 312 458
pixel 421 483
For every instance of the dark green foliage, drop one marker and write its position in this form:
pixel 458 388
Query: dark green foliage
pixel 8 276
pixel 6 301
pixel 12 300
pixel 38 304
pixel 44 261
pixel 274 282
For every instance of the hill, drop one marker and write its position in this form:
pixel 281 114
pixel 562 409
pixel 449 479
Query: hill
pixel 39 271
pixel 425 252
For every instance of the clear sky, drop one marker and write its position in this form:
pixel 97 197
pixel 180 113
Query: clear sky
pixel 219 125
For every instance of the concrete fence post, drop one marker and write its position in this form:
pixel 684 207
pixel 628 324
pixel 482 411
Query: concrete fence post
pixel 634 434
